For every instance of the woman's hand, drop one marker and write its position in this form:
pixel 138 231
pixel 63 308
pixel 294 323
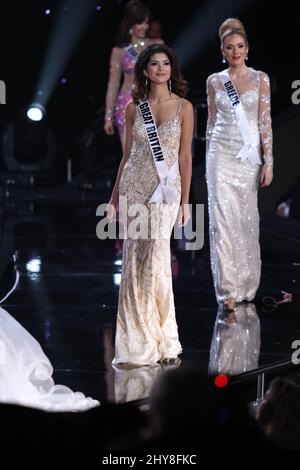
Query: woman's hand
pixel 111 210
pixel 266 176
pixel 109 127
pixel 184 215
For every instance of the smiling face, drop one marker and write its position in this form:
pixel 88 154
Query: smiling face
pixel 159 68
pixel 139 30
pixel 235 49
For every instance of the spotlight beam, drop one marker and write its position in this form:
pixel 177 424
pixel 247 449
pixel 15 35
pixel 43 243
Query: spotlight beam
pixel 36 112
pixel 71 21
pixel 204 27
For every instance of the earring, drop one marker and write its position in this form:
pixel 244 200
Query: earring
pixel 246 57
pixel 130 32
pixel 224 60
pixel 170 87
pixel 146 82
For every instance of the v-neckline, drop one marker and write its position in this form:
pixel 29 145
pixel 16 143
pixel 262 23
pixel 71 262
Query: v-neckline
pixel 164 122
pixel 250 73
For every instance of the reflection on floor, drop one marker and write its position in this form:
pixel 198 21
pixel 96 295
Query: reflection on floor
pixel 68 292
pixel 235 344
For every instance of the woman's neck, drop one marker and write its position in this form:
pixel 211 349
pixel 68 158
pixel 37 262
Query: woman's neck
pixel 135 40
pixel 238 71
pixel 159 93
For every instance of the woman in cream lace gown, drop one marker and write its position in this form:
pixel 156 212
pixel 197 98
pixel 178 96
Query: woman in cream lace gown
pixel 146 325
pixel 233 180
pixel 130 43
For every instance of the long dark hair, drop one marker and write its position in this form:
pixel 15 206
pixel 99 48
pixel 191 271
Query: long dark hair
pixel 140 90
pixel 135 13
pixel 280 411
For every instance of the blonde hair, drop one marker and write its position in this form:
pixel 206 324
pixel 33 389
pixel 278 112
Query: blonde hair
pixel 232 26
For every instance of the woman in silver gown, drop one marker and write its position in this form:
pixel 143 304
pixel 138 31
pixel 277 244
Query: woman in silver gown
pixel 233 181
pixel 146 324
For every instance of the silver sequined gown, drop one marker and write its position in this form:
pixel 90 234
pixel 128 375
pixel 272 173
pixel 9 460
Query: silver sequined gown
pixel 235 345
pixel 146 324
pixel 233 186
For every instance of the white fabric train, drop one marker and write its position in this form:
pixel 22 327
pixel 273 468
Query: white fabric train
pixel 26 373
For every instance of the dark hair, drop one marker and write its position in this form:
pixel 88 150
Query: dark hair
pixel 280 410
pixel 135 13
pixel 182 399
pixel 140 90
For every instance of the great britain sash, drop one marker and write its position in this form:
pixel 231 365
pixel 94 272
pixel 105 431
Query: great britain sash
pixel 251 139
pixel 166 190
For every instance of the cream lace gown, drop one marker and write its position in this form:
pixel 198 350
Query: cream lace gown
pixel 233 185
pixel 146 325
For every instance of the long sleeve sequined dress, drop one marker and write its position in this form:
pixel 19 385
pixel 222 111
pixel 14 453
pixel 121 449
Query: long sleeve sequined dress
pixel 233 185
pixel 146 325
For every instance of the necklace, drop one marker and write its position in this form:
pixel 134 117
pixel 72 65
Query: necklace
pixel 141 42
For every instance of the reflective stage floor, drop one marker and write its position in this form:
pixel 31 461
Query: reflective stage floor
pixel 68 293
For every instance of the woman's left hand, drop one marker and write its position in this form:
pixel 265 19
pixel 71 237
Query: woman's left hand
pixel 266 176
pixel 184 215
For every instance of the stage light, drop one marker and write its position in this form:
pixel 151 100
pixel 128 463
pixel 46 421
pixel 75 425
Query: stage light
pixel 47 12
pixel 117 279
pixel 71 20
pixel 34 265
pixel 98 7
pixel 35 112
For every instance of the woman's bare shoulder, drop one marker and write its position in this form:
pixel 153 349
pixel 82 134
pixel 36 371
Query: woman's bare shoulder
pixel 131 110
pixel 187 106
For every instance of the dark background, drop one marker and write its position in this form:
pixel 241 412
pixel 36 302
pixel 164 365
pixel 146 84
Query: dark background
pixel 25 34
pixel 53 227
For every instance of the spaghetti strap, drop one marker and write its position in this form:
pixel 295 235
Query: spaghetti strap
pixel 138 112
pixel 179 106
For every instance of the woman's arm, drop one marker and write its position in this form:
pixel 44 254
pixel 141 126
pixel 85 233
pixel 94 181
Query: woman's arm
pixel 129 119
pixel 265 129
pixel 115 72
pixel 185 159
pixel 211 109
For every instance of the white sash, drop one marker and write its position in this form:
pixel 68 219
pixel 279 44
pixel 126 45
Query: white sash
pixel 251 139
pixel 132 52
pixel 166 190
